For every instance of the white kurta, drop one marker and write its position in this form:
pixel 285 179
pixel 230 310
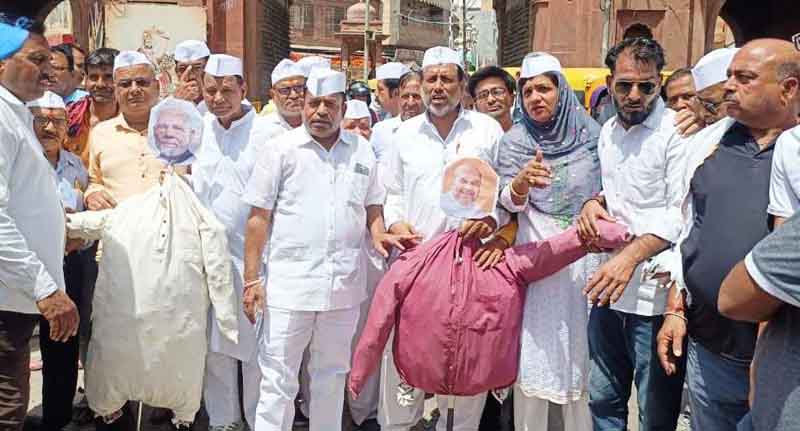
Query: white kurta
pixel 554 359
pixel 219 176
pixel 165 261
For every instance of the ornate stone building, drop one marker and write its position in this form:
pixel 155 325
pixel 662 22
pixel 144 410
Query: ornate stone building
pixel 578 31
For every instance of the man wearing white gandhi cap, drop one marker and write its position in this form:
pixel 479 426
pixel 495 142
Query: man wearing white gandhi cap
pixel 357 119
pixel 425 144
pixel 388 94
pixel 324 181
pixel 120 161
pixel 710 74
pixel 190 61
pixel 233 136
pixel 287 93
pixel 311 62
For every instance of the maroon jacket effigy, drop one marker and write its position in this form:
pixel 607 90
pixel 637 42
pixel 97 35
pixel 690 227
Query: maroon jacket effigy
pixel 457 328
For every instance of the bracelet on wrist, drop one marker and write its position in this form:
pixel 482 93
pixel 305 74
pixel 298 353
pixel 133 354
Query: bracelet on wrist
pixel 251 283
pixel 678 315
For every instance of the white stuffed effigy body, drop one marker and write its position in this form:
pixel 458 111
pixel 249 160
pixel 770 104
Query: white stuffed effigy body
pixel 164 263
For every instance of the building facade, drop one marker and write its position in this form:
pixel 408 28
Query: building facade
pixel 580 31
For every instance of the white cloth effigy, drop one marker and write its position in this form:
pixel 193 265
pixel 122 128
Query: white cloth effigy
pixel 165 262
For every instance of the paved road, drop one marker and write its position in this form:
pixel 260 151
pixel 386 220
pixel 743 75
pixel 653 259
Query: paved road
pixel 36 402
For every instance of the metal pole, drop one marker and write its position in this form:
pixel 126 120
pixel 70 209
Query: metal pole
pixel 366 42
pixel 464 33
pixel 605 6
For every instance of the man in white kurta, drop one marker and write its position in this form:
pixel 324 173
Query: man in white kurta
pixel 288 89
pixel 312 197
pixel 233 136
pixel 420 149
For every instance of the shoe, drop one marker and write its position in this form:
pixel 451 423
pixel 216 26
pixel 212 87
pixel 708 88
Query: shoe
pixel 300 420
pixel 368 425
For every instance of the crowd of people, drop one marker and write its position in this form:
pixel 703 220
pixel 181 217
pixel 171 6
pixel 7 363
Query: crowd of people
pixel 319 194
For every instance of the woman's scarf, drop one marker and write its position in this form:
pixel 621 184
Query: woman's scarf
pixel 569 145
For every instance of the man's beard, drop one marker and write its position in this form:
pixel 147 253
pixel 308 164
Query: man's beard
pixel 634 118
pixel 441 111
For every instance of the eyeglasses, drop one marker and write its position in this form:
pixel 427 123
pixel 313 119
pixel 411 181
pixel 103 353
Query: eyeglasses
pixel 286 91
pixel 140 82
pixel 41 121
pixel 709 105
pixel 645 87
pixel 496 92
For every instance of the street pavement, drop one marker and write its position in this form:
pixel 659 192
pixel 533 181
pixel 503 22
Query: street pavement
pixel 35 411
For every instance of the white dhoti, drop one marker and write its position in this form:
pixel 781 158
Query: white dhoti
pixel 286 334
pixel 394 417
pixel 531 413
pixel 221 391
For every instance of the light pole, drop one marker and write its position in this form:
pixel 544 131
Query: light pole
pixel 366 41
pixel 464 33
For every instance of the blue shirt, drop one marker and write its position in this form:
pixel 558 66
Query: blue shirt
pixel 72 179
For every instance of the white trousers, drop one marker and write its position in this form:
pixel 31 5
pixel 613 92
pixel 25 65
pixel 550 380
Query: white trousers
pixel 286 334
pixel 221 390
pixel 393 417
pixel 530 413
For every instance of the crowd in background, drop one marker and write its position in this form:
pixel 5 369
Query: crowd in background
pixel 321 192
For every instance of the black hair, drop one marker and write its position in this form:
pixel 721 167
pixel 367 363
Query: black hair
pixel 101 57
pixel 491 72
pixel 643 49
pixel 391 84
pixel 408 76
pixel 638 30
pixel 66 49
pixel 678 74
pixel 14 16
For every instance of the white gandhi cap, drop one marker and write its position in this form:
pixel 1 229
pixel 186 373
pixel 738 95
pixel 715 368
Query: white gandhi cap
pixel 191 50
pixel 286 69
pixel 220 65
pixel 357 109
pixel 307 64
pixel 130 58
pixel 393 70
pixel 441 55
pixel 537 63
pixel 712 68
pixel 49 100
pixel 324 82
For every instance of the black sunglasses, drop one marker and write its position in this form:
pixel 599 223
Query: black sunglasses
pixel 645 87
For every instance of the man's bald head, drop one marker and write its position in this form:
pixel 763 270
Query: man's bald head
pixel 763 88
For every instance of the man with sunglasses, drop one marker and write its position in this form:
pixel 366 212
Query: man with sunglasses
pixel 641 158
pixel 31 220
pixel 190 61
pixel 727 200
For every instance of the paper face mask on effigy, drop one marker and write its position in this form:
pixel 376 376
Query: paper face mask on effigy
pixel 469 188
pixel 175 131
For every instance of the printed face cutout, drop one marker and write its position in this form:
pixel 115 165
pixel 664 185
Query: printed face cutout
pixel 469 188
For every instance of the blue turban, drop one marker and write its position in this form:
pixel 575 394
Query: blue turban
pixel 11 40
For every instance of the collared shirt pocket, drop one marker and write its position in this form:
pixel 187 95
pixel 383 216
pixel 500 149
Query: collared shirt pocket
pixel 356 184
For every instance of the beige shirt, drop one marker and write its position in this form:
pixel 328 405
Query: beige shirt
pixel 120 162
